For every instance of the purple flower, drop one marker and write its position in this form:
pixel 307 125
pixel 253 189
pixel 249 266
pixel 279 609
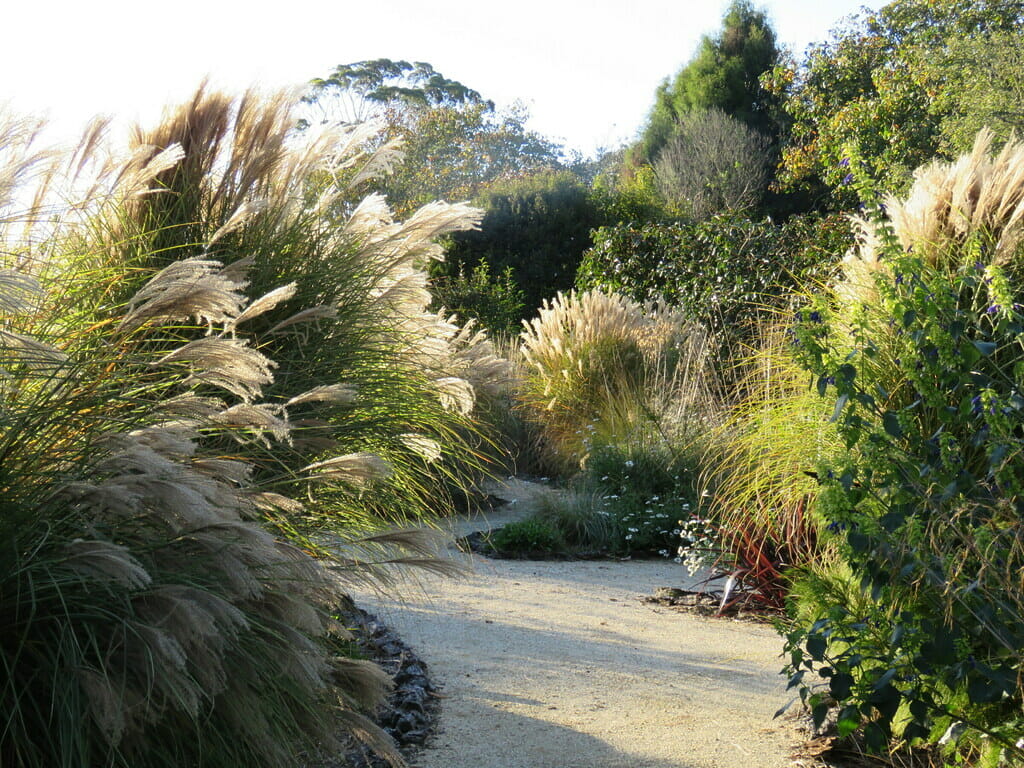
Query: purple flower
pixel 993 309
pixel 848 178
pixel 844 163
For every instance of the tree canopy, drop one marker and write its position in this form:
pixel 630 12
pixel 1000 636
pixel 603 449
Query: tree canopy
pixel 455 142
pixel 724 74
pixel 362 88
pixel 887 83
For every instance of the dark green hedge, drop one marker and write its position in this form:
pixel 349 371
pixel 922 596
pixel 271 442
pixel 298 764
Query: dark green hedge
pixel 719 270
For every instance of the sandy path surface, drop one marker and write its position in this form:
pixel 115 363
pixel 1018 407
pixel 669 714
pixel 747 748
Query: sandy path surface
pixel 560 665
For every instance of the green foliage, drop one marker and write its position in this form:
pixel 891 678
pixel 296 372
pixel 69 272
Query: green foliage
pixel 723 75
pixel 984 78
pixel 756 490
pixel 886 84
pixel 495 301
pixel 645 490
pixel 538 226
pixel 717 270
pixel 532 536
pixel 923 357
pixel 457 153
pixel 628 195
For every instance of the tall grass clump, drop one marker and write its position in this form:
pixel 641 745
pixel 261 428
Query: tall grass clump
pixel 598 365
pixel 370 377
pixel 756 485
pixel 195 334
pixel 919 347
pixel 621 396
pixel 147 618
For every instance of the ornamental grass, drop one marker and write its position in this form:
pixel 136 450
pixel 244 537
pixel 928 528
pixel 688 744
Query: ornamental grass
pixel 599 365
pixel 218 381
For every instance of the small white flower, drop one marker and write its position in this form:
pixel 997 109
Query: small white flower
pixel 629 463
pixel 633 530
pixel 629 536
pixel 655 498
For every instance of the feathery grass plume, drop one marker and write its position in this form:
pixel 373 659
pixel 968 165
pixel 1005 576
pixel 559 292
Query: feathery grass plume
pixel 597 360
pixel 145 618
pixel 252 189
pixel 977 195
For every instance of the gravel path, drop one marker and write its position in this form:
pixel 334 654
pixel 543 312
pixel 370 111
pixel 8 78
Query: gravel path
pixel 560 665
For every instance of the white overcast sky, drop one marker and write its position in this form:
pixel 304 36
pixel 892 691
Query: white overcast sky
pixel 587 71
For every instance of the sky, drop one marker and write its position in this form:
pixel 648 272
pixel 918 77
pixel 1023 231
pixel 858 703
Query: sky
pixel 586 71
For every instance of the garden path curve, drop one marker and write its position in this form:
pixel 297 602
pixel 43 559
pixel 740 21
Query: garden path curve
pixel 555 664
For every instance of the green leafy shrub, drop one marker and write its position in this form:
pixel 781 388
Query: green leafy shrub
pixel 531 536
pixel 495 301
pixel 645 493
pixel 538 226
pixel 921 347
pixel 716 271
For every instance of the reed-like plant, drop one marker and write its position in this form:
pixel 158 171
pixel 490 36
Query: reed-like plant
pixel 191 337
pixel 147 618
pixel 758 483
pixel 365 370
pixel 599 366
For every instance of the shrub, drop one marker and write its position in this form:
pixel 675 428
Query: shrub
pixel 495 301
pixel 531 536
pixel 757 484
pixel 712 163
pixel 645 492
pixel 716 271
pixel 921 346
pixel 538 226
pixel 147 619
